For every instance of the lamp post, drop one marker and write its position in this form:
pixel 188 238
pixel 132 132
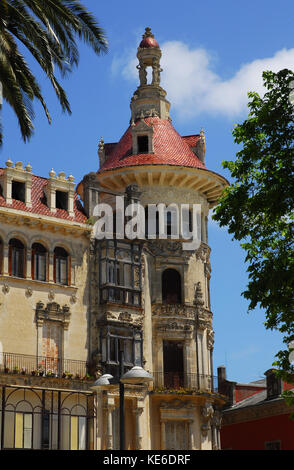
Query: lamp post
pixel 137 375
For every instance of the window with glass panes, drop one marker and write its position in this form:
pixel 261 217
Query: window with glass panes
pixel 23 431
pixel 120 272
pixel 115 339
pixel 16 258
pixel 61 266
pixel 39 262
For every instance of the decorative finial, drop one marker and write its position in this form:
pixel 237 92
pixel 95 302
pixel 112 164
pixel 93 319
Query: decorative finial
pixel 28 168
pixel 71 178
pixel 9 163
pixel 52 173
pixel 61 175
pixel 18 165
pixel 148 33
pixel 101 144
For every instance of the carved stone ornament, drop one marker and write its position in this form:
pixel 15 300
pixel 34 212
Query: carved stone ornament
pixel 210 339
pixel 29 292
pixel 174 310
pixel 207 413
pixel 217 419
pixel 110 316
pixel 198 297
pixel 5 288
pixel 203 253
pixel 177 404
pixel 52 312
pixel 125 317
pixel 73 299
pixel 203 322
pixel 51 295
pixel 174 326
pixel 166 248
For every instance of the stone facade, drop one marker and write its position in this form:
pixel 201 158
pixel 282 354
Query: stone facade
pixel 69 308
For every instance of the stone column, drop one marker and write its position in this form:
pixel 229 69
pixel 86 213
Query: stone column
pixel 28 190
pixel 162 430
pixel 138 413
pixel 28 264
pixel 109 431
pixel 216 425
pixel 5 259
pixel 51 267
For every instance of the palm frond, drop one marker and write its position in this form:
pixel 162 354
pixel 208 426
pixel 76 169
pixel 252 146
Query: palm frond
pixel 49 30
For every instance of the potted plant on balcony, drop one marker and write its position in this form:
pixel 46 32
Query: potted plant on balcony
pixel 6 370
pixel 15 370
pixel 23 371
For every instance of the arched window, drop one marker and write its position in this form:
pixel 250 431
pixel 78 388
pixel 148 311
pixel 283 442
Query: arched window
pixel 61 266
pixel 39 262
pixel 171 287
pixel 16 258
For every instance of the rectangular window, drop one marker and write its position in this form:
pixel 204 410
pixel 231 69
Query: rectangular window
pixel 46 430
pixel 173 364
pixel 112 340
pixel 18 191
pixel 61 271
pixel 61 200
pixel 17 262
pixel 40 266
pixel 120 272
pixel 143 145
pixel 77 433
pixel 23 431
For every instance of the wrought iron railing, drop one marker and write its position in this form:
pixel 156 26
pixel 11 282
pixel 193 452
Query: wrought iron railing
pixel 177 380
pixel 43 365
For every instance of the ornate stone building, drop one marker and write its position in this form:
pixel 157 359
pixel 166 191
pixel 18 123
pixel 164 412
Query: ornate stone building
pixel 87 301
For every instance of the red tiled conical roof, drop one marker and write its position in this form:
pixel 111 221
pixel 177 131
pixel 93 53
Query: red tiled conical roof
pixel 169 148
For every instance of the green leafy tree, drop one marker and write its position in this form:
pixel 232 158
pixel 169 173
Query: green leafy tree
pixel 258 206
pixel 48 30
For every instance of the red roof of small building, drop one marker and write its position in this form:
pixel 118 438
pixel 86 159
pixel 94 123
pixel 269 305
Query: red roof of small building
pixel 39 205
pixel 169 148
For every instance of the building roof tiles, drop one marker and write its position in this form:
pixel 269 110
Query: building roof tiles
pixel 169 148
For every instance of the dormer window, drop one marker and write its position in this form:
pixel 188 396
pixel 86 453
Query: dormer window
pixel 143 144
pixel 61 200
pixel 16 183
pixel 142 136
pixel 18 190
pixel 60 192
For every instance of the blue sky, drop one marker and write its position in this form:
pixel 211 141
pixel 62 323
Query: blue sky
pixel 213 53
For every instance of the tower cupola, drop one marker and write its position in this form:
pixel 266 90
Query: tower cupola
pixel 149 98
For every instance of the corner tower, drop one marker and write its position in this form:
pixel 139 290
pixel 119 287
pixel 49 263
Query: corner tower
pixel 150 297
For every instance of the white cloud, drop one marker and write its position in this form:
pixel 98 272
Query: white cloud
pixel 192 85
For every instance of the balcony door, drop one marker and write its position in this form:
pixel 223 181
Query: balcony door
pixel 51 347
pixel 173 364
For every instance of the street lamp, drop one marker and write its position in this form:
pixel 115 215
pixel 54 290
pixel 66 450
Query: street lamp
pixel 137 375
